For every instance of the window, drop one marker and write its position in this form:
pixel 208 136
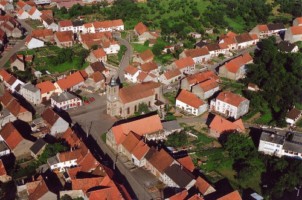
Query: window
pixel 128 111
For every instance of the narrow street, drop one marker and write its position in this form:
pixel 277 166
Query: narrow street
pixel 17 47
pixel 126 58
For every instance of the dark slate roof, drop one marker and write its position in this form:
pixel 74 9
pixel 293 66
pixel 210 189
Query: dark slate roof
pixel 78 23
pixel 38 145
pixel 200 44
pixel 213 47
pixel 65 96
pixel 30 87
pixel 243 38
pixel 179 175
pixel 272 137
pixel 276 26
pixel 171 125
pixel 286 46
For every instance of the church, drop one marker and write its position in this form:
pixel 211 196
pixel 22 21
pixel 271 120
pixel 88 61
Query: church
pixel 124 102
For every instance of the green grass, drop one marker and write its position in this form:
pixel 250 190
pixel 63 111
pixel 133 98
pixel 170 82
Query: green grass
pixel 164 59
pixel 139 47
pixel 171 96
pixel 237 25
pixel 231 85
pixel 265 118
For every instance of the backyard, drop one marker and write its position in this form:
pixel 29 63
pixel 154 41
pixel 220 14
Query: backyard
pixel 44 58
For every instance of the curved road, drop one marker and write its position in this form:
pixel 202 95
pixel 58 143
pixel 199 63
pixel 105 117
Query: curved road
pixel 126 58
pixel 17 47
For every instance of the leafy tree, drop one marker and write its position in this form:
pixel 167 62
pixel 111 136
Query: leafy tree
pixel 143 108
pixel 177 140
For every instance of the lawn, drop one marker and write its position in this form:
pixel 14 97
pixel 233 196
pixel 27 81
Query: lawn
pixel 164 59
pixel 139 47
pixel 265 118
pixel 231 85
pixel 171 96
pixel 237 25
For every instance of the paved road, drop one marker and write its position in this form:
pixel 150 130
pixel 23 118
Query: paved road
pixel 17 47
pixel 126 58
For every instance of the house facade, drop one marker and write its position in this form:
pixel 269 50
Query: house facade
pixel 31 93
pixel 190 103
pixel 65 101
pixel 230 104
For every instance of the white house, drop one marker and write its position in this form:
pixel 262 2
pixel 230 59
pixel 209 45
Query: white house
pixel 185 65
pixel 47 88
pixel 139 153
pixel 230 104
pixel 31 93
pixel 33 43
pixel 112 48
pixel 205 89
pixel 55 123
pixel 131 73
pixel 190 103
pixel 34 13
pixel 65 101
pixel 293 116
pixel 42 2
pixel 271 144
pixel 21 14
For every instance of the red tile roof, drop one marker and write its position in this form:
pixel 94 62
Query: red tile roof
pixel 202 185
pixel 140 150
pixel 138 91
pixel 39 191
pixel 208 85
pixel 41 33
pixel 65 36
pixel 146 55
pixel 70 81
pixel 189 99
pixel 65 23
pixel 97 76
pixel 32 11
pixel 221 125
pixel 130 70
pixel 99 53
pixel 5 75
pixel 172 73
pixel 187 163
pixel 46 87
pixel 231 196
pixel 299 20
pixel 231 98
pixel 161 160
pixel 196 52
pixel 71 138
pixel 296 30
pixel 15 108
pixel 144 126
pixel 86 183
pixel 2 169
pixel 6 98
pixel 131 141
pixel 50 116
pixel 179 196
pixel 147 67
pixel 262 27
pixel 141 28
pixel 11 135
pixel 184 62
pixel 235 64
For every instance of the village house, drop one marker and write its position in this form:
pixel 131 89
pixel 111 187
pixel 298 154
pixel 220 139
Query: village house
pixel 3 37
pixel 236 68
pixel 42 2
pixel 131 73
pixel 33 43
pixel 118 133
pixel 49 22
pixel 55 123
pixel 4 177
pixel 6 6
pixel 186 162
pixel 96 81
pixel 144 57
pixel 25 5
pixel 144 77
pixel 139 152
pixel 65 101
pixel 203 186
pixel 198 55
pixel 22 14
pixel 297 21
pixel 11 82
pixel 188 82
pixel 285 46
pixel 124 102
pixel 293 34
pixel 129 144
pixel 43 34
pixel 170 76
pixel 233 195
pixel 5 117
pixel 217 49
pixel 97 66
pixel 246 40
pixel 253 87
pixel 206 89
pixel 281 144
pixel 65 25
pixel 34 13
pixel 18 145
pixel 143 34
pixel 229 40
pixel 17 61
pixel 46 88
pixel 267 30
pixel 230 105
pixel 97 55
pixel 104 26
pixel 31 93
pixel 190 103
pixel 219 126
pixel 293 116
pixel 37 189
pixel 37 148
pixel 13 106
pixel 10 26
pixel 64 39
pixel 149 68
pixel 185 65
pixel 71 82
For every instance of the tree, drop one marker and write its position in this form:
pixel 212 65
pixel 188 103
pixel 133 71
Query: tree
pixel 143 108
